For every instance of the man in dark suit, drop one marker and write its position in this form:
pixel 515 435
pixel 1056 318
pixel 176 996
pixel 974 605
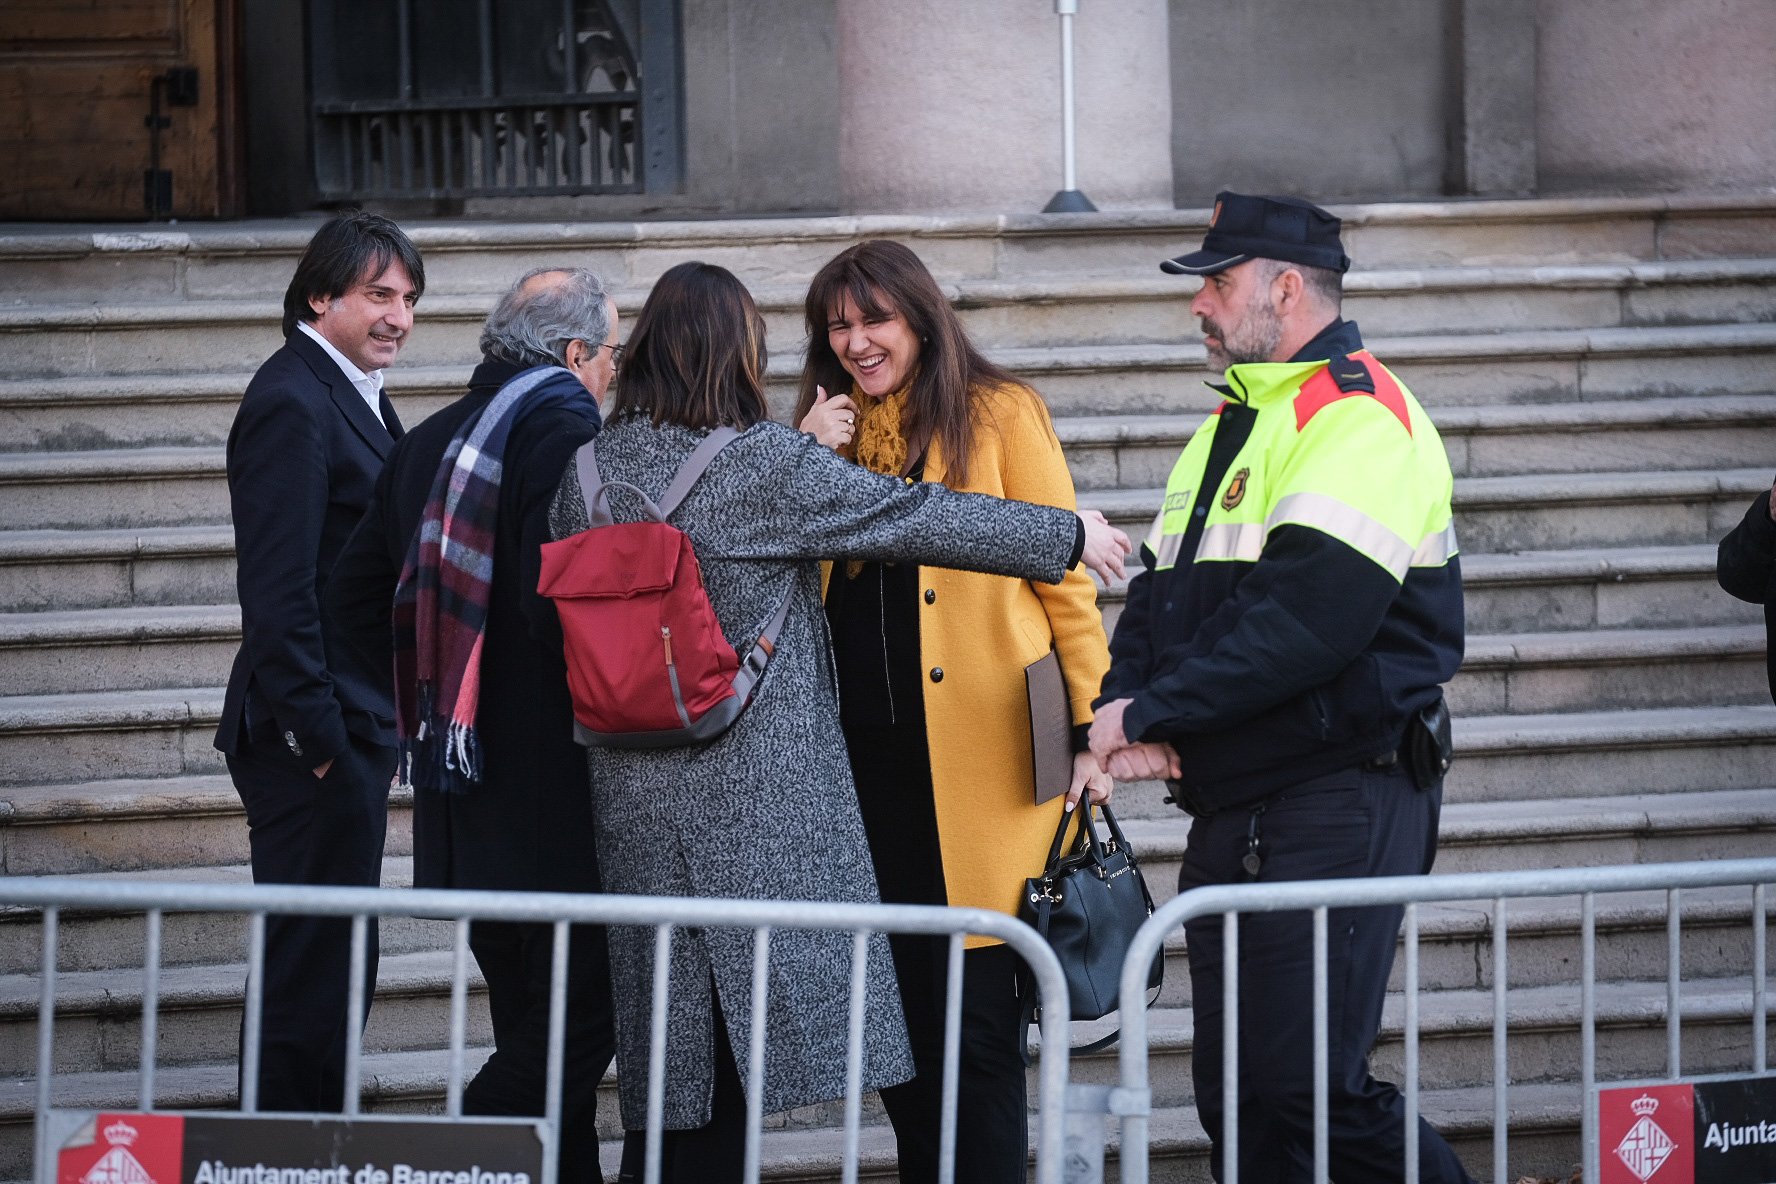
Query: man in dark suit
pixel 311 747
pixel 522 819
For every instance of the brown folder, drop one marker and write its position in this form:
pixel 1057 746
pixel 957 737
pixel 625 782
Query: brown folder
pixel 1051 728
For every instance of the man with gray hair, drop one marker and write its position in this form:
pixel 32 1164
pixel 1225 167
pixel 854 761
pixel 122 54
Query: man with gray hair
pixel 500 797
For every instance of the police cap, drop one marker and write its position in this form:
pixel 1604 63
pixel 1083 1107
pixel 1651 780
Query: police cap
pixel 1246 227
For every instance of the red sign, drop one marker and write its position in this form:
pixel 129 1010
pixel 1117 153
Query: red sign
pixel 1647 1134
pixel 126 1149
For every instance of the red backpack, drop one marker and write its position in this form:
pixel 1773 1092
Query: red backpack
pixel 647 663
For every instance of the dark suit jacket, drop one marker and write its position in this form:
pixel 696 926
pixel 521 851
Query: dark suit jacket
pixel 528 824
pixel 303 456
pixel 1747 568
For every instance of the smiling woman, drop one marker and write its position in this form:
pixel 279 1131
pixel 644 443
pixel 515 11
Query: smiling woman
pixel 930 664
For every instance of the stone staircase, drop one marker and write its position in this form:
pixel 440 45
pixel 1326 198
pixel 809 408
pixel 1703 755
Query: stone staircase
pixel 1601 371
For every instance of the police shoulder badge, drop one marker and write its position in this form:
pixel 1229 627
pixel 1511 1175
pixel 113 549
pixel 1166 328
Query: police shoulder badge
pixel 1236 490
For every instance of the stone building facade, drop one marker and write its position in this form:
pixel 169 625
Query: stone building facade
pixel 697 108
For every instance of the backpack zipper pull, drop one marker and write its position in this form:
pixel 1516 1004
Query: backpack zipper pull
pixel 666 640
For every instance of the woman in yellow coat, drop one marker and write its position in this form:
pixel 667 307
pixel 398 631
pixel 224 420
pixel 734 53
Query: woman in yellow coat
pixel 931 675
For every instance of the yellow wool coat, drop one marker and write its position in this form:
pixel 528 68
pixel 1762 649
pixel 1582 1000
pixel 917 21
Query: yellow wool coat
pixel 982 631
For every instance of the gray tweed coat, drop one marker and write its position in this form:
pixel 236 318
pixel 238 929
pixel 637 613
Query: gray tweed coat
pixel 768 810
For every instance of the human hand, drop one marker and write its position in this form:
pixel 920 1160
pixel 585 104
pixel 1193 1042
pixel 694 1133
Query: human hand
pixel 1145 762
pixel 1106 730
pixel 1089 776
pixel 1104 547
pixel 832 420
pixel 320 770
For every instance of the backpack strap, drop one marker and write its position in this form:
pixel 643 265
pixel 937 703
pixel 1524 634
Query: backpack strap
pixel 694 466
pixel 752 666
pixel 593 488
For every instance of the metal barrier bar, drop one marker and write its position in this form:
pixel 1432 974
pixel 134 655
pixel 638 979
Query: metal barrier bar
pixel 1588 1024
pixel 755 1052
pixel 664 913
pixel 1230 1091
pixel 1673 969
pixel 1321 1055
pixel 253 1022
pixel 656 1105
pixel 1501 1059
pixel 854 1056
pixel 946 1135
pixel 150 1006
pixel 1315 895
pixel 459 1018
pixel 555 1068
pixel 1760 1002
pixel 46 1023
pixel 354 1014
pixel 1410 1167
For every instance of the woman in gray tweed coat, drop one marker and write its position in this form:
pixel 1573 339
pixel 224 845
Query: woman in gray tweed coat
pixel 767 810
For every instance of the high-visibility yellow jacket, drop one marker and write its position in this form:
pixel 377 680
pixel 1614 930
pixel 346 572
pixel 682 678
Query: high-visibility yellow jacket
pixel 1301 593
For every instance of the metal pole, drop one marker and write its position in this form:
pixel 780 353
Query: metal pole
pixel 1069 200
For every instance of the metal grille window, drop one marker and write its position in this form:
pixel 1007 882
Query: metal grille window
pixel 478 98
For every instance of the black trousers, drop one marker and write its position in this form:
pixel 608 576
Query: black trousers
pixel 308 830
pixel 1357 823
pixel 992 1105
pixel 515 959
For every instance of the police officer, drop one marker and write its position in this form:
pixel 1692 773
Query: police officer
pixel 1279 663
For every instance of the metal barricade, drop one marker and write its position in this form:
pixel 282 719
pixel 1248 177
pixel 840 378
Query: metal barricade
pixel 1319 896
pixel 560 910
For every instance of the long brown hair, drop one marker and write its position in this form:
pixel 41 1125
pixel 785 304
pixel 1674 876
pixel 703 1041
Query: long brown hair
pixel 883 278
pixel 697 354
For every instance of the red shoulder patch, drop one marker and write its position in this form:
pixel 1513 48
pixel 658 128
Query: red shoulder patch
pixel 1322 390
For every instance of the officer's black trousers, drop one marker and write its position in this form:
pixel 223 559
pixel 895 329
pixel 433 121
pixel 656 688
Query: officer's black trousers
pixel 308 830
pixel 516 959
pixel 1351 824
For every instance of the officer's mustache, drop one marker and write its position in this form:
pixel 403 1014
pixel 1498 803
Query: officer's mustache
pixel 1211 329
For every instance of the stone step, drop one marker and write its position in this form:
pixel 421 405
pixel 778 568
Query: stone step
pixel 1549 511
pixel 1501 836
pixel 147 824
pixel 199 336
pixel 138 409
pixel 47 570
pixel 103 734
pixel 1605 753
pixel 133 489
pixel 1587 588
pixel 118 649
pixel 68 570
pixel 243 260
pixel 110 939
pixel 98 1014
pixel 1532 673
pixel 1565 365
pixel 1733 431
pixel 113 489
pixel 1603 588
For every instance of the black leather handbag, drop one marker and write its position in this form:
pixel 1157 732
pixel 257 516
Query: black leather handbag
pixel 1088 903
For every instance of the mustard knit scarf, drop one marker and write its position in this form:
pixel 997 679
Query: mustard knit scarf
pixel 881 444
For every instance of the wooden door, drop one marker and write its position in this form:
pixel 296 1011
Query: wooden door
pixel 76 83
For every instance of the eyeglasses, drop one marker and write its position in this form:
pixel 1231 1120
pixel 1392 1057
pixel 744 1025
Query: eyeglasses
pixel 616 353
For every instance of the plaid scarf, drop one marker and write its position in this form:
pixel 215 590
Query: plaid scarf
pixel 440 611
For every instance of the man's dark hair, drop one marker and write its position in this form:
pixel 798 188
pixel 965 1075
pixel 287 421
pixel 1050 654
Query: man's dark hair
pixel 348 249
